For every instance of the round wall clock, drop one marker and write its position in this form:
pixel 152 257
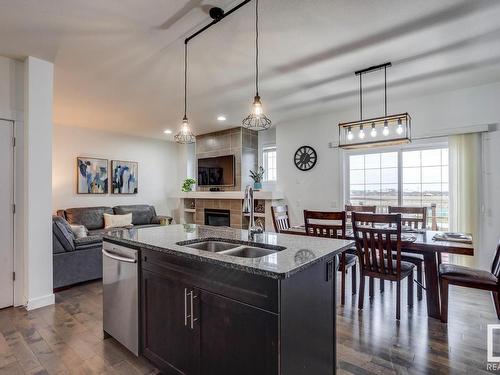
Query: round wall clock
pixel 305 158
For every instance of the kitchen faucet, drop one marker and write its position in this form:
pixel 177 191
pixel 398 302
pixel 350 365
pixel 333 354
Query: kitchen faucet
pixel 248 208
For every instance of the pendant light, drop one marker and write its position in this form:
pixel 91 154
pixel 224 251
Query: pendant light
pixel 256 120
pixel 185 136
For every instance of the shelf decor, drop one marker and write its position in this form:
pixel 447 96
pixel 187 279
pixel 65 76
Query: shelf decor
pixel 386 130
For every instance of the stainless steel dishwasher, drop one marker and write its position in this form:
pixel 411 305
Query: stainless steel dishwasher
pixel 120 295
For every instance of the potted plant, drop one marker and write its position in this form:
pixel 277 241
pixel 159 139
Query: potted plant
pixel 257 177
pixel 188 184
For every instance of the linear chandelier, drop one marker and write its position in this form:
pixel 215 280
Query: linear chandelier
pixel 379 131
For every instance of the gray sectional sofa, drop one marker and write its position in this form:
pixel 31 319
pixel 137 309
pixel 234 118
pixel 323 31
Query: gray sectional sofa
pixel 77 260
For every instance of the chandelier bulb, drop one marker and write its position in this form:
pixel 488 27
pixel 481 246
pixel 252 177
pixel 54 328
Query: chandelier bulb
pixel 373 133
pixel 350 136
pixel 386 129
pixel 399 129
pixel 361 132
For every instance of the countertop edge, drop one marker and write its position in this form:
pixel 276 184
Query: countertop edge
pixel 274 275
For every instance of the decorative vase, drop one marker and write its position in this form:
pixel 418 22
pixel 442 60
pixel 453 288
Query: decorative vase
pixel 257 185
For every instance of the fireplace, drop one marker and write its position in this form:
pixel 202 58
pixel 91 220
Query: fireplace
pixel 218 218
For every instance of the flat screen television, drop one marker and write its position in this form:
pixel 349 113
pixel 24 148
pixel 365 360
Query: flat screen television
pixel 216 171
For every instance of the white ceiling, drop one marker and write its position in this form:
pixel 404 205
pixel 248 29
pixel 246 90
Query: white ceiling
pixel 118 63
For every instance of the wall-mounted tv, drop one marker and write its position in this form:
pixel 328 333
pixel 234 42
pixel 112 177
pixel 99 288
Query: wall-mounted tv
pixel 216 171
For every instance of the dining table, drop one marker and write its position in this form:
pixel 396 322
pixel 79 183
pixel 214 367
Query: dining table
pixel 421 242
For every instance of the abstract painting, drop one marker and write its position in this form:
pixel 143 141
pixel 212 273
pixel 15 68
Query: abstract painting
pixel 125 174
pixel 92 176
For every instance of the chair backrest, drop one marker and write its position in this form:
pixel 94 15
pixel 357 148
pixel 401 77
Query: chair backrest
pixel 495 267
pixel 281 219
pixel 325 224
pixel 413 217
pixel 378 242
pixel 350 209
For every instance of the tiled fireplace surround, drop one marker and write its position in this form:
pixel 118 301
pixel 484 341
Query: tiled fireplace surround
pixel 243 144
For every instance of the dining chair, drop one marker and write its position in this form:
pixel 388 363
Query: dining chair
pixel 332 225
pixel 368 209
pixel 414 218
pixel 378 244
pixel 281 219
pixel 452 274
pixel 349 209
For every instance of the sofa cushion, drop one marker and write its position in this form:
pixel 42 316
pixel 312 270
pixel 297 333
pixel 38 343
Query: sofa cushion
pixel 141 214
pixel 117 221
pixel 91 217
pixel 88 242
pixel 79 230
pixel 62 231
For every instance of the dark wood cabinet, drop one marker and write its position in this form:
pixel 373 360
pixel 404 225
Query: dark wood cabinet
pixel 203 319
pixel 230 327
pixel 168 339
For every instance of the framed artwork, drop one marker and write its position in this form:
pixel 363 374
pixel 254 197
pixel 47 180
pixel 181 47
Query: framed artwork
pixel 125 177
pixel 92 175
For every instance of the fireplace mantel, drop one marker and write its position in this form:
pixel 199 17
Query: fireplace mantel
pixel 261 194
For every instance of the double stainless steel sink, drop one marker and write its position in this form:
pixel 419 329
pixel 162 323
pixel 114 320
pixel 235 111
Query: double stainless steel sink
pixel 237 248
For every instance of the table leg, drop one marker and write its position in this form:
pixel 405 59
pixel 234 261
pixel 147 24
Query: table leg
pixel 432 285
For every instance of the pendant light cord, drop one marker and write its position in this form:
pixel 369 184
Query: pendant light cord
pixel 257 47
pixel 185 79
pixel 385 90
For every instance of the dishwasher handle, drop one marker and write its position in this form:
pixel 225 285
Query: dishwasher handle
pixel 119 258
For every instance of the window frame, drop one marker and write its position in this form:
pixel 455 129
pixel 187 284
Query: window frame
pixel 265 149
pixel 435 143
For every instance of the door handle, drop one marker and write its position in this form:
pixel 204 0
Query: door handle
pixel 185 307
pixel 193 319
pixel 117 257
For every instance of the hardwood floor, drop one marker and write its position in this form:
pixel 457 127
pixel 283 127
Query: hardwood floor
pixel 67 338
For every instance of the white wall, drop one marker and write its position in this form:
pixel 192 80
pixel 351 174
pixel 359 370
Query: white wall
pixel 37 182
pixel 444 113
pixel 158 168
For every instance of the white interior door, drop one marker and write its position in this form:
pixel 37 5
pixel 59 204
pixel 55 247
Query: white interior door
pixel 6 215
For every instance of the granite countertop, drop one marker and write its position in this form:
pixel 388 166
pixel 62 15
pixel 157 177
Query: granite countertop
pixel 301 251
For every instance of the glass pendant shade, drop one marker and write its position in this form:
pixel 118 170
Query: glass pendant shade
pixel 185 136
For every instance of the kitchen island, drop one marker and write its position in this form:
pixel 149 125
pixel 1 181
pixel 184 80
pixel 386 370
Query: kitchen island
pixel 213 302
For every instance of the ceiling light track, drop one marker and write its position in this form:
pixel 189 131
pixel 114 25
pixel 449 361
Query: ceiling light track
pixel 217 14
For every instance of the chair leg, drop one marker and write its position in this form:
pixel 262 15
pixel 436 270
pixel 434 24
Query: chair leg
pixel 410 290
pixel 382 285
pixel 371 287
pixel 444 300
pixel 496 301
pixel 361 292
pixel 353 279
pixel 398 299
pixel 419 279
pixel 342 284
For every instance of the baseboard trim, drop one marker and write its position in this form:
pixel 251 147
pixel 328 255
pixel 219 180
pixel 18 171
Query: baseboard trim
pixel 36 303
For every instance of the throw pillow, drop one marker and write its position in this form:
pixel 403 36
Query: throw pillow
pixel 117 221
pixel 79 231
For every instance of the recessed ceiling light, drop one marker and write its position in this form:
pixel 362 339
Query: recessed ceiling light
pixel 168 131
pixel 221 118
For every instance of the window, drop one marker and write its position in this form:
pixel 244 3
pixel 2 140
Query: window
pixel 269 161
pixel 401 178
pixel 425 182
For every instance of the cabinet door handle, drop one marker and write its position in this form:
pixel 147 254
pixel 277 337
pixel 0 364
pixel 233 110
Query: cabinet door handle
pixel 185 307
pixel 192 309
